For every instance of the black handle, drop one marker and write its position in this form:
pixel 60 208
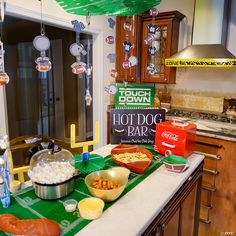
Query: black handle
pixel 210 144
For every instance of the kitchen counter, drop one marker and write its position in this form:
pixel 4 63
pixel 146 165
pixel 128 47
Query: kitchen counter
pixel 209 128
pixel 136 210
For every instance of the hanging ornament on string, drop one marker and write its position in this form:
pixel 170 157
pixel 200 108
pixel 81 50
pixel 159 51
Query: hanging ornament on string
pixel 88 97
pixel 4 78
pixel 152 41
pixel 42 44
pixel 77 49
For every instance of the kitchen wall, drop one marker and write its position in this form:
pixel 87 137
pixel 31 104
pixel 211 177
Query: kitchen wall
pixel 217 80
pixel 53 14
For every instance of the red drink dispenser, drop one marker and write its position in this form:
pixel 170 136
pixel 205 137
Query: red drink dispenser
pixel 175 137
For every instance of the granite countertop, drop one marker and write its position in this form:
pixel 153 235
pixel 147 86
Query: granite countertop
pixel 210 128
pixel 135 211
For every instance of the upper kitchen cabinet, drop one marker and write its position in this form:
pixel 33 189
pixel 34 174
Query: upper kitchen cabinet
pixel 150 40
pixel 127 45
pixel 159 41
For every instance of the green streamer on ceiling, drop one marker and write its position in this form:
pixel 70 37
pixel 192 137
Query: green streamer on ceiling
pixel 107 7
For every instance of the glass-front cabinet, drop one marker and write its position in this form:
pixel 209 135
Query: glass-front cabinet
pixel 159 41
pixel 152 39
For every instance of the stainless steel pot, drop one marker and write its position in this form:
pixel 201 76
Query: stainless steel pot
pixel 54 191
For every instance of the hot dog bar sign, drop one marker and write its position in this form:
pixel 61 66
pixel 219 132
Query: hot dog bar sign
pixel 135 125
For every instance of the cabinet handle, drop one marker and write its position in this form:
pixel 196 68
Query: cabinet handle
pixel 208 207
pixel 190 177
pixel 163 226
pixel 212 172
pixel 216 157
pixel 211 189
pixel 205 221
pixel 210 144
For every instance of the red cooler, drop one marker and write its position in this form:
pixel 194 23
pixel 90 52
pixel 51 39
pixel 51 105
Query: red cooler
pixel 175 137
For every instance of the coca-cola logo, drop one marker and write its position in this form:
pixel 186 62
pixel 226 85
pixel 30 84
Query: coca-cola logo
pixel 170 136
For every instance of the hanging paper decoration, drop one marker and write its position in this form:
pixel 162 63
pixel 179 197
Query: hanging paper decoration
pixel 4 172
pixel 111 23
pixel 42 44
pixel 110 39
pixel 112 89
pixel 114 73
pixel 77 49
pixel 111 57
pixel 107 7
pixel 4 78
pixel 88 97
pixel 152 41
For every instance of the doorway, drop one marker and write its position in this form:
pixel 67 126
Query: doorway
pixel 45 103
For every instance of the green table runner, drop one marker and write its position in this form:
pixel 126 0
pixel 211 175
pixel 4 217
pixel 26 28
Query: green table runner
pixel 25 204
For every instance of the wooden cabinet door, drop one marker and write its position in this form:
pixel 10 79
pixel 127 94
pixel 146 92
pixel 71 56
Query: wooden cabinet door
pixel 122 35
pixel 153 68
pixel 171 227
pixel 188 213
pixel 166 44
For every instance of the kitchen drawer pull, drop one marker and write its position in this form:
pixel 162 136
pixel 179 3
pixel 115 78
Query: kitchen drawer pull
pixel 211 189
pixel 212 172
pixel 206 206
pixel 205 221
pixel 210 144
pixel 168 145
pixel 216 157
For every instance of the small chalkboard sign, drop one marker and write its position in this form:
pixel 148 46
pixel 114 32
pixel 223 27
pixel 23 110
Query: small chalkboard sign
pixel 135 125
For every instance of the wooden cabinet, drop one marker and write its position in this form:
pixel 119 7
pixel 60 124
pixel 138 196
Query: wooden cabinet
pixel 180 216
pixel 151 56
pixel 165 44
pixel 132 37
pixel 218 212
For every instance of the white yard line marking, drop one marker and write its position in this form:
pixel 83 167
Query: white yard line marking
pixel 22 203
pixel 71 226
pixel 82 193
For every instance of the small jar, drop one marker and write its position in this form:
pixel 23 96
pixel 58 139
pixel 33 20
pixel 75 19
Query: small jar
pixel 70 205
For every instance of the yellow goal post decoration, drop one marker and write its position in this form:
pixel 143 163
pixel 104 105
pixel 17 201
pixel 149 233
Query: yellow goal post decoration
pixel 86 144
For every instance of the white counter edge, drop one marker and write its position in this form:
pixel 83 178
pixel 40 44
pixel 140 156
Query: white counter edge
pixel 135 211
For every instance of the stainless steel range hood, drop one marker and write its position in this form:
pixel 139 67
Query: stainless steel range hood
pixel 208 38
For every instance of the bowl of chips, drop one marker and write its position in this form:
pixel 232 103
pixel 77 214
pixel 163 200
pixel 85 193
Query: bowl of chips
pixel 135 158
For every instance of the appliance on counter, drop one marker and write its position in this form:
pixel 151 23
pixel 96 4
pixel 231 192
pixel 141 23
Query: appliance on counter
pixel 175 137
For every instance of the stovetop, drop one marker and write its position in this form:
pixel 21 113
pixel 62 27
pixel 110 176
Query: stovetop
pixel 218 124
pixel 195 115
